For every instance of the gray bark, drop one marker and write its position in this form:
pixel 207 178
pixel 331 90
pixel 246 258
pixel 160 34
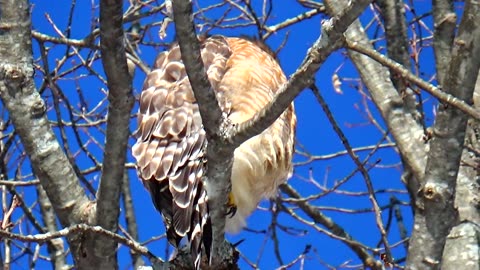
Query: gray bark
pixel 27 112
pixel 433 224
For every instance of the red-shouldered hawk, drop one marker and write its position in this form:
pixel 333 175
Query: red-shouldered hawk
pixel 171 142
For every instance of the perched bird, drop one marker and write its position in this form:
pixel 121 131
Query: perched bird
pixel 171 143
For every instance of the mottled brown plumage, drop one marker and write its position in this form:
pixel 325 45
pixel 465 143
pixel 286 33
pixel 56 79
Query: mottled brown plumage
pixel 171 142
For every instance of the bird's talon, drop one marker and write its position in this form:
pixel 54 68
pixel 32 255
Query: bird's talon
pixel 231 206
pixel 231 211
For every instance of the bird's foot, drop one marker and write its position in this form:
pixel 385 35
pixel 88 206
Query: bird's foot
pixel 231 206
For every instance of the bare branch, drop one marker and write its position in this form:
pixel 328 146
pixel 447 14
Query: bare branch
pixel 360 166
pixel 445 21
pixel 79 229
pixel 80 43
pixel 462 240
pixel 334 228
pixel 433 225
pixel 130 218
pixel 330 40
pixel 190 48
pixel 121 101
pixel 393 13
pixel 445 97
pixel 219 156
pixel 27 111
pixel 56 246
pixel 300 17
pixel 19 183
pixel 402 125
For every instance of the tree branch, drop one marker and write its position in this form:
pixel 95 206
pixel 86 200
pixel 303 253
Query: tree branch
pixel 463 238
pixel 445 21
pixel 333 227
pixel 219 155
pixel 402 125
pixel 120 97
pixel 393 14
pixel 331 39
pixel 441 95
pixel 360 166
pixel 130 220
pixel 55 246
pixel 462 247
pixel 190 49
pixel 80 229
pixel 27 111
pixel 438 189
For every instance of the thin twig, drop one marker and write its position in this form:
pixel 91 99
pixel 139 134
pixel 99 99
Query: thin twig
pixel 405 73
pixel 82 228
pixel 356 160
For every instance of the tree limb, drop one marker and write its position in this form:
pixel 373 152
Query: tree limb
pixel 434 223
pixel 331 39
pixel 27 111
pixel 402 125
pixel 393 15
pixel 219 155
pixel 333 227
pixel 102 253
pixel 83 228
pixel 190 48
pixel 445 97
pixel 445 21
pixel 130 220
pixel 55 246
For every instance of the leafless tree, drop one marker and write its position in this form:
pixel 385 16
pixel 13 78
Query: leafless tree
pixel 68 109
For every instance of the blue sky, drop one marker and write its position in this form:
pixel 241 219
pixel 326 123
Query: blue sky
pixel 314 134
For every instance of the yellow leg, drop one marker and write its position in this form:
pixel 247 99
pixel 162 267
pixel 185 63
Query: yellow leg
pixel 231 206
